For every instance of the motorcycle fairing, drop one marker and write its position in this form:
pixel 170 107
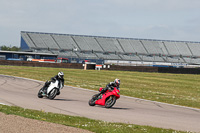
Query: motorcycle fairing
pixel 52 85
pixel 106 95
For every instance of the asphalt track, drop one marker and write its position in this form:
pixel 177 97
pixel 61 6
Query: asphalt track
pixel 74 101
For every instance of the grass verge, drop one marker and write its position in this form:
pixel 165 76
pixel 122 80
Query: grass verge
pixel 81 122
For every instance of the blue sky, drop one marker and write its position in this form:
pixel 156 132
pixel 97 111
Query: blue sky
pixel 148 19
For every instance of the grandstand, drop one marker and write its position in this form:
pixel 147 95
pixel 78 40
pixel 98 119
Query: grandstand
pixel 111 48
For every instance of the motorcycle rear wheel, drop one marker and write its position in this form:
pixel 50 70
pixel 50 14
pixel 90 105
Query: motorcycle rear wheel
pixel 52 94
pixel 110 101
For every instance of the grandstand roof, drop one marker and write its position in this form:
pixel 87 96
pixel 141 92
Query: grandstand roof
pixel 109 37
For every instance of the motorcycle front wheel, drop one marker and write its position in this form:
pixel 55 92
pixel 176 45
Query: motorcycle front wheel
pixel 92 101
pixel 40 94
pixel 110 101
pixel 52 93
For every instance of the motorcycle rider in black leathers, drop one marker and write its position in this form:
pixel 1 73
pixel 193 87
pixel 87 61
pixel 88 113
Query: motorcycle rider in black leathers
pixel 109 86
pixel 59 77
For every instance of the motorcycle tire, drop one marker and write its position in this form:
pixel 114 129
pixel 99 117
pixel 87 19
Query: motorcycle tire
pixel 110 101
pixel 52 94
pixel 91 102
pixel 40 94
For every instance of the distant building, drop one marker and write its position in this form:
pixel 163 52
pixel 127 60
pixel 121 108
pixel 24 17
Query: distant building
pixel 15 55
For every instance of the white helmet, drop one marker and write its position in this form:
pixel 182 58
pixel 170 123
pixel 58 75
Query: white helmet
pixel 117 82
pixel 61 75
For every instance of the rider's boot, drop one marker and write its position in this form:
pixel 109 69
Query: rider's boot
pixel 58 93
pixel 44 88
pixel 96 96
pixel 44 91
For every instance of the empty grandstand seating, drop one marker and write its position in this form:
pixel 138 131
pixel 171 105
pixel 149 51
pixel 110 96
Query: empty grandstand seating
pixel 108 56
pixel 171 48
pixel 192 60
pixel 152 47
pixel 38 41
pixel 43 51
pixel 93 44
pixel 162 48
pixel 195 61
pixel 28 40
pixel 65 54
pixel 174 59
pixel 86 55
pixel 110 45
pixel 130 57
pixel 126 45
pixel 111 48
pixel 138 46
pixel 65 42
pixel 49 41
pixel 195 48
pixel 183 49
pixel 80 41
pixel 151 58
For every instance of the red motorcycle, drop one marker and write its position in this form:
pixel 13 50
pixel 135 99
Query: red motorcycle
pixel 107 99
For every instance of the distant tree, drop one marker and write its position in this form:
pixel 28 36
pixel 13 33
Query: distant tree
pixel 4 48
pixel 14 48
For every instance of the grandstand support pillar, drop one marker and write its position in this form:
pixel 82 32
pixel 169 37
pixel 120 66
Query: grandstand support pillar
pixel 71 57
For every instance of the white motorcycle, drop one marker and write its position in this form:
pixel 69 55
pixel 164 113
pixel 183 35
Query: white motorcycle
pixel 52 90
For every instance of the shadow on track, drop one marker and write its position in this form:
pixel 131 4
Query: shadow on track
pixel 119 108
pixel 64 100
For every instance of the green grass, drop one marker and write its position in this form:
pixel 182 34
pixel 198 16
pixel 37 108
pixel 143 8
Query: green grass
pixel 178 89
pixel 81 122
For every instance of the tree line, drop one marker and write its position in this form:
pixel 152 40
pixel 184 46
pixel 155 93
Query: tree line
pixel 6 48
